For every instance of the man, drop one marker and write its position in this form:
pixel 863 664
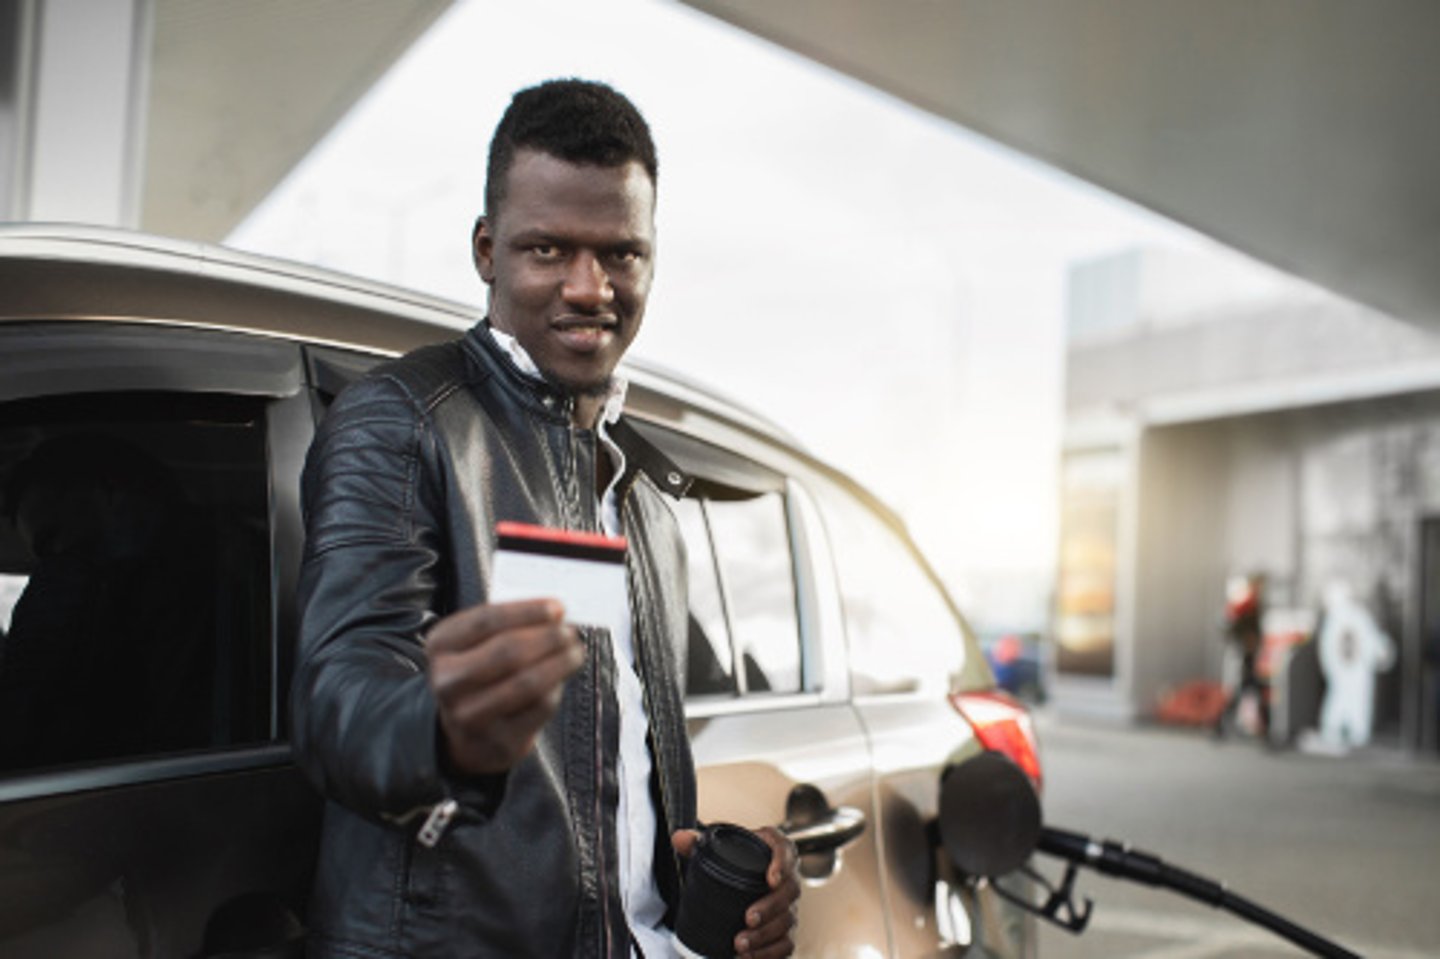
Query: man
pixel 499 783
pixel 1244 614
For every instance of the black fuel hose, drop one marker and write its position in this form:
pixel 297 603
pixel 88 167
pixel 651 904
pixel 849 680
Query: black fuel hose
pixel 1116 859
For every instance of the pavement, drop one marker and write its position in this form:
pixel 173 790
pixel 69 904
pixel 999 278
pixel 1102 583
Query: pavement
pixel 1348 846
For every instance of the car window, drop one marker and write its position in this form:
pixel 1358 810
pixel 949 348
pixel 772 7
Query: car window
pixel 902 632
pixel 709 662
pixel 752 544
pixel 742 596
pixel 744 636
pixel 135 556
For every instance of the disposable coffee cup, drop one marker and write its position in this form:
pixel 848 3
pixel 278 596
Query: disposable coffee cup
pixel 725 878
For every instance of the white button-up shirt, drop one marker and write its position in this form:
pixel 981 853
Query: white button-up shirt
pixel 635 822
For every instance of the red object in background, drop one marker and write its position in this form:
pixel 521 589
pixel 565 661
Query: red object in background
pixel 1240 606
pixel 1002 724
pixel 1243 599
pixel 1198 702
pixel 1273 647
pixel 1007 649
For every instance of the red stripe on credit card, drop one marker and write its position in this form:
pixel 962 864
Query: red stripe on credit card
pixel 529 538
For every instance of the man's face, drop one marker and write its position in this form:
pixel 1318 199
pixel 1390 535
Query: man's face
pixel 568 258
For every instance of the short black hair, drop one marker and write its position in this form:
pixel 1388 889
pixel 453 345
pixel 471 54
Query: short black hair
pixel 578 121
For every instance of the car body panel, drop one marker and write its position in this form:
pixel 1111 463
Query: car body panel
pixel 822 748
pixel 141 869
pixel 908 746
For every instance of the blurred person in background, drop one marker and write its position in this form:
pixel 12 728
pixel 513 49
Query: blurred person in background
pixel 1353 648
pixel 1244 613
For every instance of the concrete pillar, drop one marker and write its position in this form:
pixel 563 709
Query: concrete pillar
pixel 13 18
pixel 80 85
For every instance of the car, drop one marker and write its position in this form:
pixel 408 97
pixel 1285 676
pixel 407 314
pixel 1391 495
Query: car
pixel 157 399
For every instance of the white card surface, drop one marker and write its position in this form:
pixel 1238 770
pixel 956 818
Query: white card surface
pixel 592 591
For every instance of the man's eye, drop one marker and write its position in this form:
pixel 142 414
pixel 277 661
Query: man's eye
pixel 627 256
pixel 546 251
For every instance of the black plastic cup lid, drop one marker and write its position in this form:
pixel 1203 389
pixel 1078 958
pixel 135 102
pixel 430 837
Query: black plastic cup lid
pixel 735 855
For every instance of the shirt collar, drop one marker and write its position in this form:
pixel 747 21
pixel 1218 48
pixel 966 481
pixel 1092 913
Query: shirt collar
pixel 614 400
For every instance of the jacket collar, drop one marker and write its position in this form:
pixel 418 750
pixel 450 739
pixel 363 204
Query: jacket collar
pixel 642 456
pixel 515 367
pixel 526 385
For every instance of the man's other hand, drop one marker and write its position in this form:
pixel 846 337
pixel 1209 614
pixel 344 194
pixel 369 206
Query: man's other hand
pixel 770 922
pixel 498 672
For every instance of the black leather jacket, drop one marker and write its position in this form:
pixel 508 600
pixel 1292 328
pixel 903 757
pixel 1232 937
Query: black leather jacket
pixel 410 472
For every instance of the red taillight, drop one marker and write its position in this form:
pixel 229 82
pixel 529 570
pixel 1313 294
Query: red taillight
pixel 1002 725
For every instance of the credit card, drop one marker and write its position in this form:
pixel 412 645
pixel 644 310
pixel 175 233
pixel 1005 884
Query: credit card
pixel 584 571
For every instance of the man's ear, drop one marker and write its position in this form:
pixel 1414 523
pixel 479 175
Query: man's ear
pixel 482 249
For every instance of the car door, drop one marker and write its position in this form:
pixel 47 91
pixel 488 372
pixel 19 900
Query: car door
pixel 909 652
pixel 774 736
pixel 148 540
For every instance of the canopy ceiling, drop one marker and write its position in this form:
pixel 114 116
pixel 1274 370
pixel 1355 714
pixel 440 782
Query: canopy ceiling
pixel 240 92
pixel 1306 134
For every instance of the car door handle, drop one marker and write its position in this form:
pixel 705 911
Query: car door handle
pixel 827 833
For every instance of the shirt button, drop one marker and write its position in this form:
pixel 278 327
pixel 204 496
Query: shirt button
pixel 673 479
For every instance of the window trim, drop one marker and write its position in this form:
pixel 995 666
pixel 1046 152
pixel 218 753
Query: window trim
pixel 705 707
pixel 47 358
pixel 822 623
pixel 289 429
pixel 141 771
pixel 722 584
pixel 329 369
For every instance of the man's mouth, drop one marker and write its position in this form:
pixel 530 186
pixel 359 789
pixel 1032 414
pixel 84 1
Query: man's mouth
pixel 585 334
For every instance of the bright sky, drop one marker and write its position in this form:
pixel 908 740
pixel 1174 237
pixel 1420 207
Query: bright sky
pixel 886 285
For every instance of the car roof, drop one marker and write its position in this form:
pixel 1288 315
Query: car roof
pixel 79 273
pixel 82 273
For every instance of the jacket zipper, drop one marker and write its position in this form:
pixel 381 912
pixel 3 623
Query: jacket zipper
pixel 583 490
pixel 436 823
pixel 599 803
pixel 437 816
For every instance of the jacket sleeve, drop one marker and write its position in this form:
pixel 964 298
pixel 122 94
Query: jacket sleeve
pixel 364 727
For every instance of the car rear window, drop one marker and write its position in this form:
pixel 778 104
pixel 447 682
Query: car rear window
pixel 903 634
pixel 135 596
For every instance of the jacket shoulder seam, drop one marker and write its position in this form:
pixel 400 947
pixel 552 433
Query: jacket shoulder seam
pixel 429 375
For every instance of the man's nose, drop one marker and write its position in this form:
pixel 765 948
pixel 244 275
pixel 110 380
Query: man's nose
pixel 587 285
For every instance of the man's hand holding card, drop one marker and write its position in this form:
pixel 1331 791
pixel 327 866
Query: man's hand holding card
pixel 498 669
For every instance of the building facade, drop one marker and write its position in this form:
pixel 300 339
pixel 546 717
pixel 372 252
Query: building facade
pixel 1222 420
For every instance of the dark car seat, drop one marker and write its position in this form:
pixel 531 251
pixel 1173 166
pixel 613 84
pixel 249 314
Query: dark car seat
pixel 109 651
